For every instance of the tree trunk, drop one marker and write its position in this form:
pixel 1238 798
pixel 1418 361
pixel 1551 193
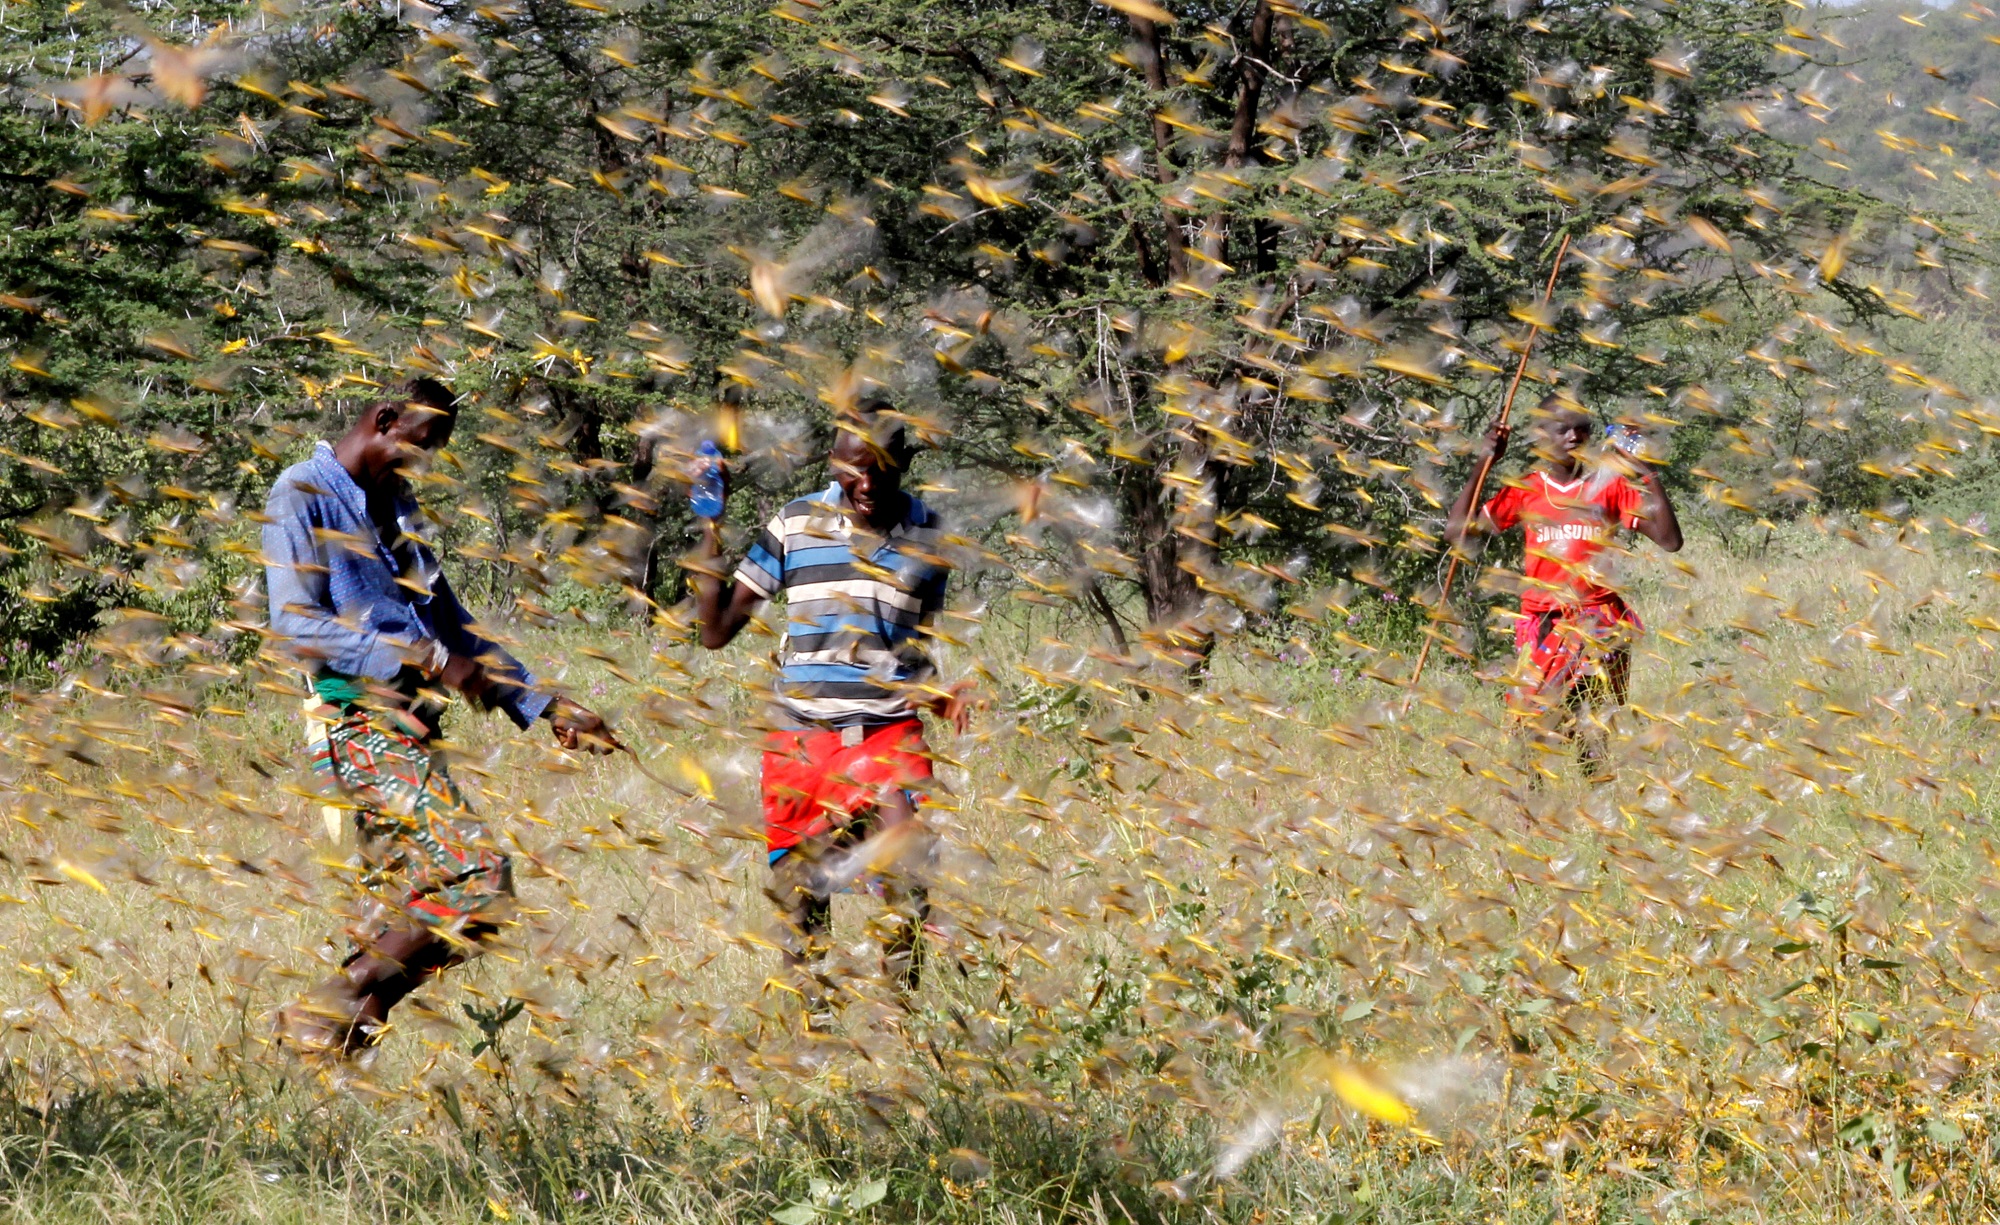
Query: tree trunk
pixel 1249 96
pixel 1173 521
pixel 1169 590
pixel 1155 65
pixel 581 426
pixel 1094 593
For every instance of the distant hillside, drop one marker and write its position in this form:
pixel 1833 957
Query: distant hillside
pixel 1914 104
pixel 1910 113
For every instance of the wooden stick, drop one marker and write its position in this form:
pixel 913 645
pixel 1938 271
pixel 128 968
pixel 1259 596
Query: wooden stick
pixel 1486 464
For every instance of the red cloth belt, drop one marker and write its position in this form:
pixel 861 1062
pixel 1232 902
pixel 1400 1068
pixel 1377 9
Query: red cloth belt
pixel 815 781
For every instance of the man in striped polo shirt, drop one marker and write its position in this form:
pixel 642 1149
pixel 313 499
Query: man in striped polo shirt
pixel 860 566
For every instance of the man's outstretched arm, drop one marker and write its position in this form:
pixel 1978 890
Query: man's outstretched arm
pixel 488 676
pixel 954 702
pixel 480 668
pixel 723 605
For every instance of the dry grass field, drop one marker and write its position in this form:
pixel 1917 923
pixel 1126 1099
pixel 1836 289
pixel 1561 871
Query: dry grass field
pixel 1288 947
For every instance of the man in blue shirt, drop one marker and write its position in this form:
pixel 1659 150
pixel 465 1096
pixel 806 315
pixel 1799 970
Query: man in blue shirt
pixel 358 601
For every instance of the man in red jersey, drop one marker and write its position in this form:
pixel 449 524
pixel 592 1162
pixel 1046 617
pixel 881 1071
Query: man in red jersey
pixel 1574 630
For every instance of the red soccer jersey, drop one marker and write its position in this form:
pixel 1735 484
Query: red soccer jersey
pixel 1567 525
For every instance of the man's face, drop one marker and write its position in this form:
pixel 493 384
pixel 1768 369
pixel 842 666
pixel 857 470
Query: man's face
pixel 867 476
pixel 412 440
pixel 1564 433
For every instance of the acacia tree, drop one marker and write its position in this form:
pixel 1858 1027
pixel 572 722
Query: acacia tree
pixel 1193 302
pixel 1256 270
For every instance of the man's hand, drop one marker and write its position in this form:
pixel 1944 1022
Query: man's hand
pixel 578 728
pixel 954 706
pixel 465 674
pixel 1496 444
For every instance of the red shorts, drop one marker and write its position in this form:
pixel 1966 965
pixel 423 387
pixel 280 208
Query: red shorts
pixel 813 782
pixel 1565 650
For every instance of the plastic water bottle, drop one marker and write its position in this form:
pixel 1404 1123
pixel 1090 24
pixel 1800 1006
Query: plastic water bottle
pixel 1626 439
pixel 705 492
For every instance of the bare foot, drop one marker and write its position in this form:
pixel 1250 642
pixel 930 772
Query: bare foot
pixel 314 1029
pixel 323 1026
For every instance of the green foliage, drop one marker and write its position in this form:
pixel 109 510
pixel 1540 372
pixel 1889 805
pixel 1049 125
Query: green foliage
pixel 1178 295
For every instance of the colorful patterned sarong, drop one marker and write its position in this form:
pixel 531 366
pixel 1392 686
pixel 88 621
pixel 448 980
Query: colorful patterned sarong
pixel 424 855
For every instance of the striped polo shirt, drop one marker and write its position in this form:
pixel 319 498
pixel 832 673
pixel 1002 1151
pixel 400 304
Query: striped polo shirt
pixel 854 604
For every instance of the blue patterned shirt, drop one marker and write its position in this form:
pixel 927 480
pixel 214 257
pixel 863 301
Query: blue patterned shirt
pixel 344 603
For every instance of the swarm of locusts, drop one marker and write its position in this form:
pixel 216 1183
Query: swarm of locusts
pixel 914 610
